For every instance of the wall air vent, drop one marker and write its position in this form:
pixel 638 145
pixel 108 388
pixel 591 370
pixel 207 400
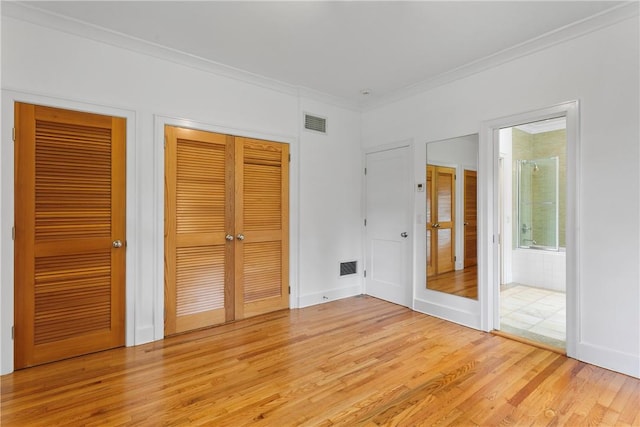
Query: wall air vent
pixel 348 268
pixel 315 123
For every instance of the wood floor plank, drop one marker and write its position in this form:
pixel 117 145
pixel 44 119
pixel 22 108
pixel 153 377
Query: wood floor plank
pixel 353 362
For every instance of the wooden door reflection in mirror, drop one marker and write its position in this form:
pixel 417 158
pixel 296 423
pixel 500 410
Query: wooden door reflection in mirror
pixel 451 220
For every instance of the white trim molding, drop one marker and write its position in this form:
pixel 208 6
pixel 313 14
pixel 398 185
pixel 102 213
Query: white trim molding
pixel 488 203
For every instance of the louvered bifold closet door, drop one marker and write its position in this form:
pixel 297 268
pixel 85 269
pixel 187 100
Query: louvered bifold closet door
pixel 261 226
pixel 70 233
pixel 198 258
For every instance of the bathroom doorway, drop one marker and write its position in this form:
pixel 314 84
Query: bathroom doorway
pixel 533 210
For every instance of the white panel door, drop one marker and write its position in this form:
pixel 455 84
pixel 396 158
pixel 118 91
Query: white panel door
pixel 388 225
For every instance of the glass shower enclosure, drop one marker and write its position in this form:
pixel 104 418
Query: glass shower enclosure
pixel 537 226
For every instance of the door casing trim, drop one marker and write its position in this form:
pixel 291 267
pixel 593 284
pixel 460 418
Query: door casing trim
pixel 488 267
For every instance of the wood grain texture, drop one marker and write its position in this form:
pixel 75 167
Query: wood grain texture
pixel 463 283
pixel 262 217
pixel 218 185
pixel 70 181
pixel 470 212
pixel 445 208
pixel 353 362
pixel 441 221
pixel 196 222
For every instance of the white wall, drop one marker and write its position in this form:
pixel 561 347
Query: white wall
pixel 44 65
pixel 601 70
pixel 2 312
pixel 330 205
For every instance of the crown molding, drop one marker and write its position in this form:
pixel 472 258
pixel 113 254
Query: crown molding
pixel 34 15
pixel 614 15
pixel 326 98
pixel 37 16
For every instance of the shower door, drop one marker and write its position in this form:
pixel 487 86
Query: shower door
pixel 537 195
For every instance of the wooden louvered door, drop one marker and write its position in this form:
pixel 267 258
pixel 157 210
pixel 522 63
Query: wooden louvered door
pixel 470 218
pixel 431 235
pixel 69 233
pixel 198 258
pixel 440 224
pixel 226 228
pixel 262 227
pixel 445 185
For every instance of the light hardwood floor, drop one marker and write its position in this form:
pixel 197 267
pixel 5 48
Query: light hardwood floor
pixel 463 283
pixel 357 361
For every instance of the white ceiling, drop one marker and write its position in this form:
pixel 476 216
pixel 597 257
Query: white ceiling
pixel 337 48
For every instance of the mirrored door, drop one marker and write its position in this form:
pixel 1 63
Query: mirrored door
pixel 448 285
pixel 451 216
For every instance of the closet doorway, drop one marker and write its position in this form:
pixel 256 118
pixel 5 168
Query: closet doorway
pixel 226 228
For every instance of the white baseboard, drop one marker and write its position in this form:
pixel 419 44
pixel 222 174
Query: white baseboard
pixel 144 335
pixel 451 314
pixel 328 295
pixel 625 363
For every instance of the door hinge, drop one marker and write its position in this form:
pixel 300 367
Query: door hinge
pixel 13 332
pixel 365 273
pixel 289 158
pixel 365 222
pixel 289 290
pixel 13 134
pixel 365 171
pixel 455 258
pixel 13 233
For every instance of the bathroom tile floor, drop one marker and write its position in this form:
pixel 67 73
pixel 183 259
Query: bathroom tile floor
pixel 534 313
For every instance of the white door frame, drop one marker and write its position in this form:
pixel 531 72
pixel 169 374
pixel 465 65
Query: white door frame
pixel 488 256
pixel 408 143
